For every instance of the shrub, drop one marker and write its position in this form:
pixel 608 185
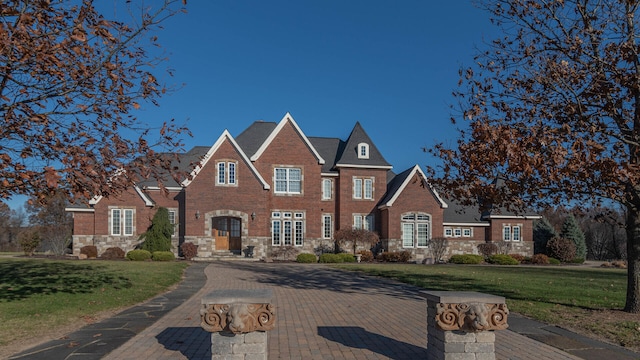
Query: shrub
pixel 366 255
pixel 540 259
pixel 395 256
pixel 163 256
pixel 502 259
pixel 29 241
pixel 561 249
pixel 158 235
pixel 519 257
pixel 90 250
pixel 189 250
pixel 330 258
pixel 346 257
pixel 438 247
pixel 306 258
pixel 466 259
pixel 356 237
pixel 577 260
pixel 554 261
pixel 619 264
pixel 487 249
pixel 113 253
pixel 138 255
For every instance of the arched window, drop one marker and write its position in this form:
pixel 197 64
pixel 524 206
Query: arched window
pixel 416 230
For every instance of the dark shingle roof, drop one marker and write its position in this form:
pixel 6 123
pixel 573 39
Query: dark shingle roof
pixel 457 213
pixel 185 162
pixel 394 184
pixel 329 149
pixel 254 136
pixel 350 154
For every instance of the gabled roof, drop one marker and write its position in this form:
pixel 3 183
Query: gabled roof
pixel 349 157
pixel 330 149
pixel 254 136
pixel 399 183
pixel 226 136
pixel 286 119
pixel 459 214
pixel 184 162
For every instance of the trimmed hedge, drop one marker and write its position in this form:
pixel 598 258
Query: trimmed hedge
pixel 395 256
pixel 466 259
pixel 162 256
pixel 306 258
pixel 330 258
pixel 346 257
pixel 366 255
pixel 502 259
pixel 138 255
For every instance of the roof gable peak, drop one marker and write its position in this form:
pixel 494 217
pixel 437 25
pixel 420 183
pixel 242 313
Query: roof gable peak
pixel 287 119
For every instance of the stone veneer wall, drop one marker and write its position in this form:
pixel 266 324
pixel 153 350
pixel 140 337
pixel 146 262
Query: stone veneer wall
pixel 102 243
pixel 456 247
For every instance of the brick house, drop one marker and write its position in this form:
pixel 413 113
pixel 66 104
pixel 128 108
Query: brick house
pixel 272 186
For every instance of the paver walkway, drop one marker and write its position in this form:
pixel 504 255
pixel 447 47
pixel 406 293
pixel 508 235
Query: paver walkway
pixel 321 314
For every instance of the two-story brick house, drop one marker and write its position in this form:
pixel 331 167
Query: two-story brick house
pixel 272 186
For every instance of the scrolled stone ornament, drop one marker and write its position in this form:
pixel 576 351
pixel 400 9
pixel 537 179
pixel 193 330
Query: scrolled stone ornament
pixel 471 317
pixel 213 318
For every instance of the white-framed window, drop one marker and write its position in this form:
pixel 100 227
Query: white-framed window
pixel 466 232
pixel 288 180
pixel 327 189
pixel 363 151
pixel 122 221
pixel 285 231
pixel 173 220
pixel 361 221
pixel 457 232
pixel 408 234
pixel 363 188
pixel 448 232
pixel 327 226
pixel 416 230
pixel 357 188
pixel 511 233
pixel 226 173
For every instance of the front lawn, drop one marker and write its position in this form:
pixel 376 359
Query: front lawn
pixel 37 296
pixel 587 300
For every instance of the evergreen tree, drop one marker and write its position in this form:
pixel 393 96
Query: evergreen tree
pixel 571 231
pixel 158 235
pixel 543 231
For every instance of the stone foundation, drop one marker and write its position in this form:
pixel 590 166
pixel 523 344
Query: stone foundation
pixel 238 321
pixel 461 325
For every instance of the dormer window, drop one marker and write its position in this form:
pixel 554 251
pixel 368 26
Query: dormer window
pixel 363 151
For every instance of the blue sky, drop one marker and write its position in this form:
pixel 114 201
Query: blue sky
pixel 391 65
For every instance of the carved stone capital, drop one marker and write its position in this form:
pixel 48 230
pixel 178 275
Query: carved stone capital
pixel 472 316
pixel 237 318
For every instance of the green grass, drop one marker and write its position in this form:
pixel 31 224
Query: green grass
pixel 38 295
pixel 562 296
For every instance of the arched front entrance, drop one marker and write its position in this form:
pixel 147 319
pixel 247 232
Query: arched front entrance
pixel 227 232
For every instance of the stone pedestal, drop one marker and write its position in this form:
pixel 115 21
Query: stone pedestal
pixel 238 321
pixel 460 325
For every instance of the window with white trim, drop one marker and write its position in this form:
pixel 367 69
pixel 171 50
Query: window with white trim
pixel 285 231
pixel 173 217
pixel 327 189
pixel 288 180
pixel 363 188
pixel 511 233
pixel 327 226
pixel 361 221
pixel 466 232
pixel 416 230
pixel 448 232
pixel 363 151
pixel 226 173
pixel 122 222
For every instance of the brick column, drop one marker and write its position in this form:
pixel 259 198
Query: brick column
pixel 238 321
pixel 460 325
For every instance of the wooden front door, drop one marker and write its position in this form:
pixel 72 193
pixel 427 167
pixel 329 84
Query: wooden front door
pixel 226 231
